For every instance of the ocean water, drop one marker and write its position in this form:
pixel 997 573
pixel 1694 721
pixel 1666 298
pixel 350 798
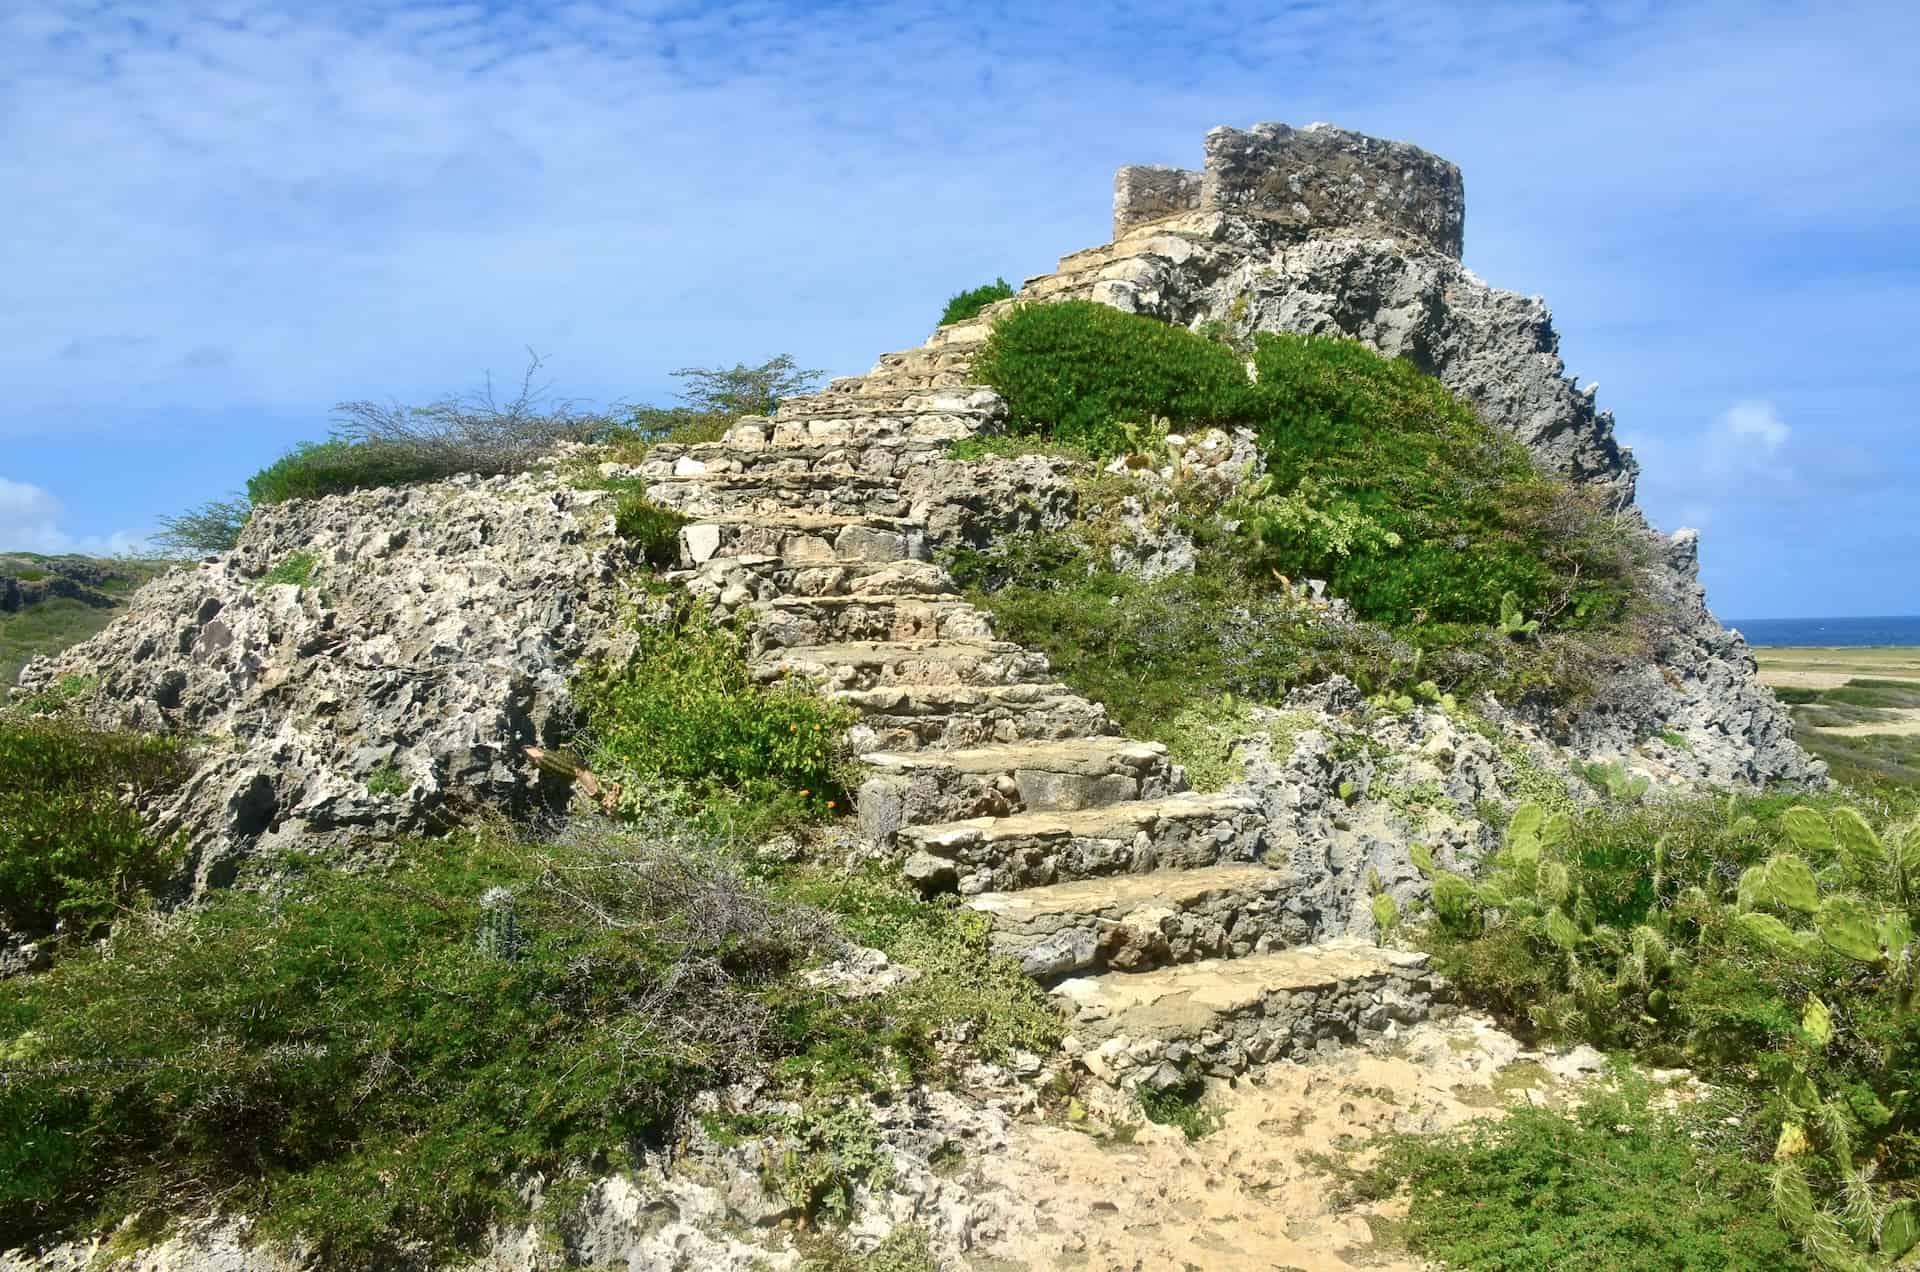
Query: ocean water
pixel 1828 631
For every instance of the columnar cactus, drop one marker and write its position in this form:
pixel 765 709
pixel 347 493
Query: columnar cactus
pixel 499 935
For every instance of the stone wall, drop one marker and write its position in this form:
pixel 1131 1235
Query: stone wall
pixel 1317 177
pixel 1145 192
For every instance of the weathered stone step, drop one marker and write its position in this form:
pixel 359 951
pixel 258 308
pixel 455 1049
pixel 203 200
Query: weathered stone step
pixel 969 335
pixel 1180 832
pixel 861 616
pixel 803 536
pixel 879 458
pixel 905 788
pixel 901 411
pixel 1135 922
pixel 722 495
pixel 882 664
pixel 733 581
pixel 943 716
pixel 1223 1015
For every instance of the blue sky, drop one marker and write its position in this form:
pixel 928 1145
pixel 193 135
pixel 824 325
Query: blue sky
pixel 222 218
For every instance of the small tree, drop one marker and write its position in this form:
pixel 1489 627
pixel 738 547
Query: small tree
pixel 211 528
pixel 743 390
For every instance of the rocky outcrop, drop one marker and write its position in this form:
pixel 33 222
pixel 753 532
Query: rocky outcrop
pixel 431 636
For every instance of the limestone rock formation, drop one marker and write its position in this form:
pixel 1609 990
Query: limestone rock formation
pixel 431 637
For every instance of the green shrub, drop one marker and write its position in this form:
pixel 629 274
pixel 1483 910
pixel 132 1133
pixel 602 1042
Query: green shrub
pixel 1078 372
pixel 73 847
pixel 653 528
pixel 1766 944
pixel 1613 1183
pixel 343 1061
pixel 685 712
pixel 967 304
pixel 1378 479
pixel 296 569
pixel 712 401
pixel 313 469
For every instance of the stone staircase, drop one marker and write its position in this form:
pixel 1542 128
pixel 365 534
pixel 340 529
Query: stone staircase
pixel 1148 908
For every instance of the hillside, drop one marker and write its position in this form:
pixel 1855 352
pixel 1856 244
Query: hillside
pixel 1224 682
pixel 50 602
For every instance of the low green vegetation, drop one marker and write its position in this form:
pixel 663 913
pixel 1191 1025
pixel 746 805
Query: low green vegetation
pixel 74 849
pixel 1617 1182
pixel 683 716
pixel 295 569
pixel 1377 479
pixel 968 304
pixel 44 619
pixel 336 467
pixel 1766 945
pixel 1467 570
pixel 372 1062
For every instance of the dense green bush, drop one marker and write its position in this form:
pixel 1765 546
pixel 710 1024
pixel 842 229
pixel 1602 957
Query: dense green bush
pixel 1378 479
pixel 73 846
pixel 684 712
pixel 1081 372
pixel 336 467
pixel 1768 946
pixel 967 304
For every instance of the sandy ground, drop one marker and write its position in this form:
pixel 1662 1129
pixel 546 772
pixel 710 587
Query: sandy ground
pixel 1247 1197
pixel 1830 667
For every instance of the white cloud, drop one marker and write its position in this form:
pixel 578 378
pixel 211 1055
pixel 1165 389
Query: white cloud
pixel 30 522
pixel 1756 420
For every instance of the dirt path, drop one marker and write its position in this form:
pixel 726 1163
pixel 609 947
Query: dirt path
pixel 1248 1197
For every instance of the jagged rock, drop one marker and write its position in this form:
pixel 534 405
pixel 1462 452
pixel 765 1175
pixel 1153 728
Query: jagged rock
pixel 433 640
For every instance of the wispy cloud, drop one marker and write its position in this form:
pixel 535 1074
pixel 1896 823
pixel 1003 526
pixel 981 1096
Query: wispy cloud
pixel 256 209
pixel 30 522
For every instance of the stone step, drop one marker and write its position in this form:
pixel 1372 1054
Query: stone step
pixel 791 621
pixel 842 494
pixel 1221 1016
pixel 803 537
pixel 968 335
pixel 882 664
pixel 902 411
pixel 940 717
pixel 905 788
pixel 1135 922
pixel 733 581
pixel 1179 832
pixel 881 458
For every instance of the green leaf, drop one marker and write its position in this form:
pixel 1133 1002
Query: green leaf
pixel 1554 884
pixel 1524 826
pixel 1817 1021
pixel 1422 858
pixel 1556 830
pixel 1900 1230
pixel 1770 932
pixel 1808 830
pixel 1787 881
pixel 1859 843
pixel 1562 931
pixel 1798 1090
pixel 1846 927
pixel 1386 913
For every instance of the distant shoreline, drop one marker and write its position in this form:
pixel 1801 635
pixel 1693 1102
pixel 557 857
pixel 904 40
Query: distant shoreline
pixel 1891 632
